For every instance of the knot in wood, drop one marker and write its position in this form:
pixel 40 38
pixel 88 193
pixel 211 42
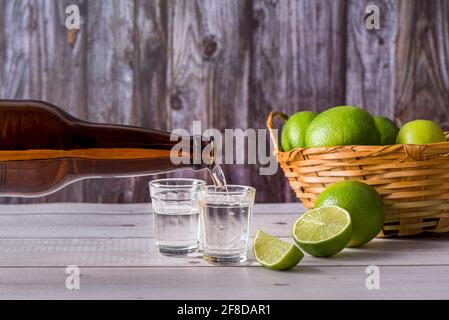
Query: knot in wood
pixel 176 102
pixel 210 47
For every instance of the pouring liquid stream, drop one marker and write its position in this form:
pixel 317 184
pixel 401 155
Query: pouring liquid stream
pixel 218 178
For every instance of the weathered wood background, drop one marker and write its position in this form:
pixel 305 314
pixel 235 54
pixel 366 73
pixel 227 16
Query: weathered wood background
pixel 162 64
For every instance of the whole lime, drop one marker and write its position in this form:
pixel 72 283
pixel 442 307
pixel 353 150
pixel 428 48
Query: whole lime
pixel 362 202
pixel 294 130
pixel 387 129
pixel 420 132
pixel 340 126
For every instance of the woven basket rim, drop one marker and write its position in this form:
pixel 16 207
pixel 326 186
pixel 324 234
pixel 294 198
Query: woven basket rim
pixel 354 148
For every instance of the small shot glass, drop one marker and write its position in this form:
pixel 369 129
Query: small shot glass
pixel 176 215
pixel 225 218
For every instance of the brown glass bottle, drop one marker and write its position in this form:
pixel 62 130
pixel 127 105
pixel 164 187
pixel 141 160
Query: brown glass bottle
pixel 43 148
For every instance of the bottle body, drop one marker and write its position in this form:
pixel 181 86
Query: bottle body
pixel 43 149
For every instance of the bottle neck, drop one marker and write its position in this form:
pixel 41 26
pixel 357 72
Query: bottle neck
pixel 196 152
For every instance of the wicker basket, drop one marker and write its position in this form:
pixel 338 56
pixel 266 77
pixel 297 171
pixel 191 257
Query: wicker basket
pixel 412 179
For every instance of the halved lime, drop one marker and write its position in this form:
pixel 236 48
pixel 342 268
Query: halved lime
pixel 323 232
pixel 274 253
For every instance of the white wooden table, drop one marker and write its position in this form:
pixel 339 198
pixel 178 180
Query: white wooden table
pixel 113 245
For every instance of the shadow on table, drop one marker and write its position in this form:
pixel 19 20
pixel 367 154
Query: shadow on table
pixel 385 250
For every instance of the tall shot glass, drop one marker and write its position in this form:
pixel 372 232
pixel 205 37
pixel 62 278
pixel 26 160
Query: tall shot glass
pixel 176 215
pixel 225 218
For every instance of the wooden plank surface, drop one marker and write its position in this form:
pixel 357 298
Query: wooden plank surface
pixel 297 64
pixel 114 247
pixel 140 252
pixel 422 61
pixel 119 225
pixel 370 58
pixel 123 235
pixel 15 49
pixel 226 283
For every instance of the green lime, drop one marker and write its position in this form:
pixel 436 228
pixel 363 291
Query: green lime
pixel 387 129
pixel 362 202
pixel 294 130
pixel 420 132
pixel 341 126
pixel 274 253
pixel 323 232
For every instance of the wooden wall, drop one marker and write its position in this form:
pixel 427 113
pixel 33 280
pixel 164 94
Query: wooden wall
pixel 162 64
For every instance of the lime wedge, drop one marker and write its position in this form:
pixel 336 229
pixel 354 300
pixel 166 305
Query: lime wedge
pixel 323 232
pixel 274 253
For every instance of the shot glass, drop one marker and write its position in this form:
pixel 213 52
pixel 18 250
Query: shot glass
pixel 176 215
pixel 225 218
